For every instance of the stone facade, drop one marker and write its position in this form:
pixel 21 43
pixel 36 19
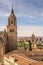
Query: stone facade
pixel 33 40
pixel 9 37
pixel 12 31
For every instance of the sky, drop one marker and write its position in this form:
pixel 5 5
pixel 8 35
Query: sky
pixel 29 14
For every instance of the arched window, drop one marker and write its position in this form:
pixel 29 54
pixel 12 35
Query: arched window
pixel 11 30
pixel 11 22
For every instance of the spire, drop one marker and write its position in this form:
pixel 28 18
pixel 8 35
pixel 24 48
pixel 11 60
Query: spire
pixel 12 11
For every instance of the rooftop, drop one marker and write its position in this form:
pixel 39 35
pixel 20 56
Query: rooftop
pixel 22 57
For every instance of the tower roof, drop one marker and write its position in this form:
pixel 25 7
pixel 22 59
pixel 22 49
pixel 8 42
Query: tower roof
pixel 12 11
pixel 12 15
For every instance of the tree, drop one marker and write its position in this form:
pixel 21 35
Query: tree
pixel 30 46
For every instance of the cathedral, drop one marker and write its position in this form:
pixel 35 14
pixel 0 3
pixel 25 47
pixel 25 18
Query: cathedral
pixel 8 38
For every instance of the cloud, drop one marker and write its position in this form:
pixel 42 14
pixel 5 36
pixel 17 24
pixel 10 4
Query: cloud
pixel 24 8
pixel 41 14
pixel 31 16
pixel 33 22
pixel 2 14
pixel 30 10
pixel 2 28
pixel 26 31
pixel 29 30
pixel 25 15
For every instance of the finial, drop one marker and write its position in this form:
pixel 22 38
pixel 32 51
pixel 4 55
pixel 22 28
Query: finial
pixel 12 5
pixel 12 12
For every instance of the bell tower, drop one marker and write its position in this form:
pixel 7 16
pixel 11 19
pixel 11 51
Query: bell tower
pixel 12 31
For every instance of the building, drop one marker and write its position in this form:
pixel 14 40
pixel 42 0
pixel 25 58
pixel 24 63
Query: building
pixel 9 37
pixel 16 59
pixel 12 31
pixel 33 41
pixel 8 42
pixel 22 59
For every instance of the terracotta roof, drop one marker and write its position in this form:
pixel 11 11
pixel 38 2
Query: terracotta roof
pixel 20 59
pixel 23 59
pixel 37 63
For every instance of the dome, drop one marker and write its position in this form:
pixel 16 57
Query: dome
pixel 33 37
